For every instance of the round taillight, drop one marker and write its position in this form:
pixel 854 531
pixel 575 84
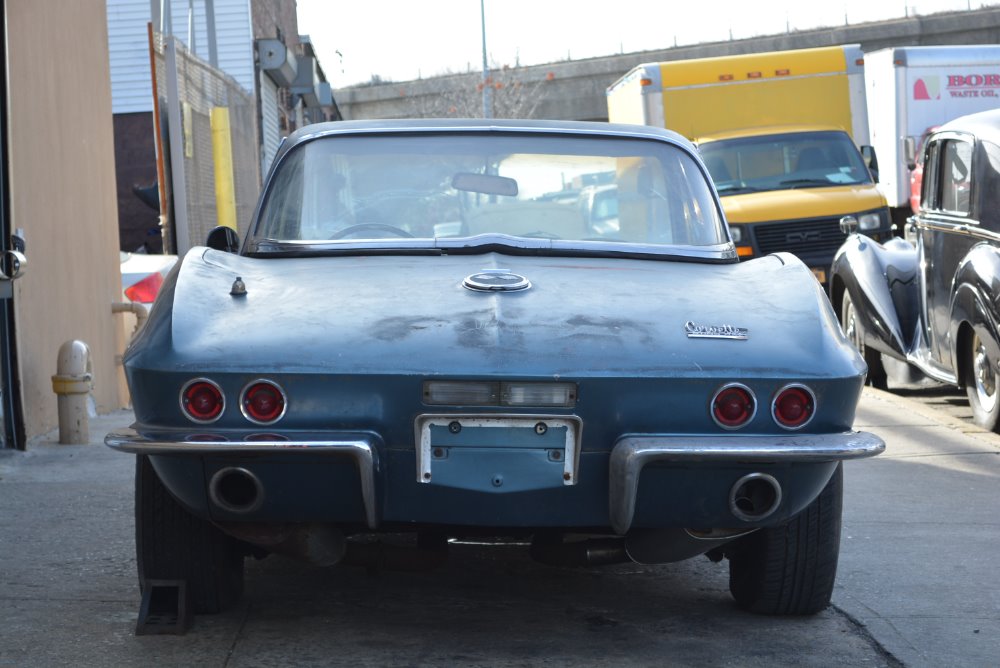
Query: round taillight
pixel 733 406
pixel 202 400
pixel 262 402
pixel 794 406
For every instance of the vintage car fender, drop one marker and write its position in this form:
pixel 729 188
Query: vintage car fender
pixel 977 278
pixel 881 280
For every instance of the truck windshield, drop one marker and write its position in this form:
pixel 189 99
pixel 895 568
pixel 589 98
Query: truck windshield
pixel 417 190
pixel 784 161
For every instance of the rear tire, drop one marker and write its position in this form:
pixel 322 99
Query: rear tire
pixel 790 569
pixel 877 376
pixel 173 544
pixel 981 385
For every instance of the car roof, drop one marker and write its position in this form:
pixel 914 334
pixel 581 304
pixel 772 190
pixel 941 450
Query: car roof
pixel 473 125
pixel 984 125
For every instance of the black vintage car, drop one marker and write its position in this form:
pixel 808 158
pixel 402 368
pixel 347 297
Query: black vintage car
pixel 929 303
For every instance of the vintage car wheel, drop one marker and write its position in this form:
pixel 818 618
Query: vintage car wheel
pixel 173 544
pixel 981 387
pixel 790 569
pixel 877 376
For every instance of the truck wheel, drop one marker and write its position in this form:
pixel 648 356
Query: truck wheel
pixel 790 569
pixel 173 544
pixel 981 386
pixel 849 322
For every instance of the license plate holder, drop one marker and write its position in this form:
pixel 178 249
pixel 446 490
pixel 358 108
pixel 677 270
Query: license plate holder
pixel 524 433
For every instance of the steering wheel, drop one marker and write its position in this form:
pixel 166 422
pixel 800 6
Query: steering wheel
pixel 388 230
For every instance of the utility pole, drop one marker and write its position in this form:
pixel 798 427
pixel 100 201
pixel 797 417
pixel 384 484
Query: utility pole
pixel 487 106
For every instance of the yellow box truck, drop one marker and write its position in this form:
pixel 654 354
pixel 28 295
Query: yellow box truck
pixel 780 133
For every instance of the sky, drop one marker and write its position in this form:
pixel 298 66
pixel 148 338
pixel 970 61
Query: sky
pixel 401 40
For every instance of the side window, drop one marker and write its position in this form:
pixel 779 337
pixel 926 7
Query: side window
pixel 987 180
pixel 956 176
pixel 929 190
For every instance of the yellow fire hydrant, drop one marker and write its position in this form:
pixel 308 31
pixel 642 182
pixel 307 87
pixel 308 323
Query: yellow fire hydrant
pixel 72 383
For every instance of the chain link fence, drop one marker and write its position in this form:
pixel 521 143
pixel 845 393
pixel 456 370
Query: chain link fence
pixel 188 89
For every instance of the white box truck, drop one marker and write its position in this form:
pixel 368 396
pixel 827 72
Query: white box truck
pixel 775 130
pixel 912 89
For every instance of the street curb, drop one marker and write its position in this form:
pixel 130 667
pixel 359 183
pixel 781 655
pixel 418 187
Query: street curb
pixel 923 410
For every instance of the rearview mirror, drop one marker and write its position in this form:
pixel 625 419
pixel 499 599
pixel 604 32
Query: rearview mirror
pixel 223 238
pixel 486 184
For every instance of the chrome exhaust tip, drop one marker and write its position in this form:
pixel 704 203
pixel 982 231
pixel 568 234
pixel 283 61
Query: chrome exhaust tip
pixel 236 490
pixel 754 497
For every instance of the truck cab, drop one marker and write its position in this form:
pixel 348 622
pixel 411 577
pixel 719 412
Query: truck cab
pixel 780 133
pixel 786 188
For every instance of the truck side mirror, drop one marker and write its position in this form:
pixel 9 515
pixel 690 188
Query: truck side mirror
pixel 910 153
pixel 223 238
pixel 868 153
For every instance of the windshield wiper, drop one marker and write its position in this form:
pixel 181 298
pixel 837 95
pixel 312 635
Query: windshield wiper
pixel 808 182
pixel 736 188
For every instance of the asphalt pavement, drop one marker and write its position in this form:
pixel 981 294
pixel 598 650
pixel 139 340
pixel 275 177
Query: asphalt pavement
pixel 917 583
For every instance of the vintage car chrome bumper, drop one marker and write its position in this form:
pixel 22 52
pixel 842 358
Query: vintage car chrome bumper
pixel 359 447
pixel 627 459
pixel 632 453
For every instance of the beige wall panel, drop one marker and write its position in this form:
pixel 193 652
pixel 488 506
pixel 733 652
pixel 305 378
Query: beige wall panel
pixel 63 195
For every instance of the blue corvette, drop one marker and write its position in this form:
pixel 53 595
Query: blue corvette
pixel 431 331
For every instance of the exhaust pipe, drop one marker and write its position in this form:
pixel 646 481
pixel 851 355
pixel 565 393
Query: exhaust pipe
pixel 755 497
pixel 589 552
pixel 236 490
pixel 662 546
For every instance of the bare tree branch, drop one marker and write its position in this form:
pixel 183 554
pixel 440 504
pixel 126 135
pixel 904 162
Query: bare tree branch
pixel 510 97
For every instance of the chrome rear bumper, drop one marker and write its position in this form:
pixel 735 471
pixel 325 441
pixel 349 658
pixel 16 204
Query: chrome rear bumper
pixel 632 453
pixel 359 447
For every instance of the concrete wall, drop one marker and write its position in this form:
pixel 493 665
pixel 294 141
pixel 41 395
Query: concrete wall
pixel 575 90
pixel 62 183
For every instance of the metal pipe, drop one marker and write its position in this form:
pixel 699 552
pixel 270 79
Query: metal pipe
pixel 140 311
pixel 589 552
pixel 487 102
pixel 755 497
pixel 161 179
pixel 72 384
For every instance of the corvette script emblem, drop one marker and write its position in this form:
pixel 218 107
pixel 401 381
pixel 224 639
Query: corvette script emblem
pixel 716 331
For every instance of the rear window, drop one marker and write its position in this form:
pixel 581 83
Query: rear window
pixel 429 186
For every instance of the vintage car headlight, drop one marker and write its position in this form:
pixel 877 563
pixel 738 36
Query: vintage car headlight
pixel 484 393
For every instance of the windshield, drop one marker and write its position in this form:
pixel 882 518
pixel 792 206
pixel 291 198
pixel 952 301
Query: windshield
pixel 782 162
pixel 424 189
